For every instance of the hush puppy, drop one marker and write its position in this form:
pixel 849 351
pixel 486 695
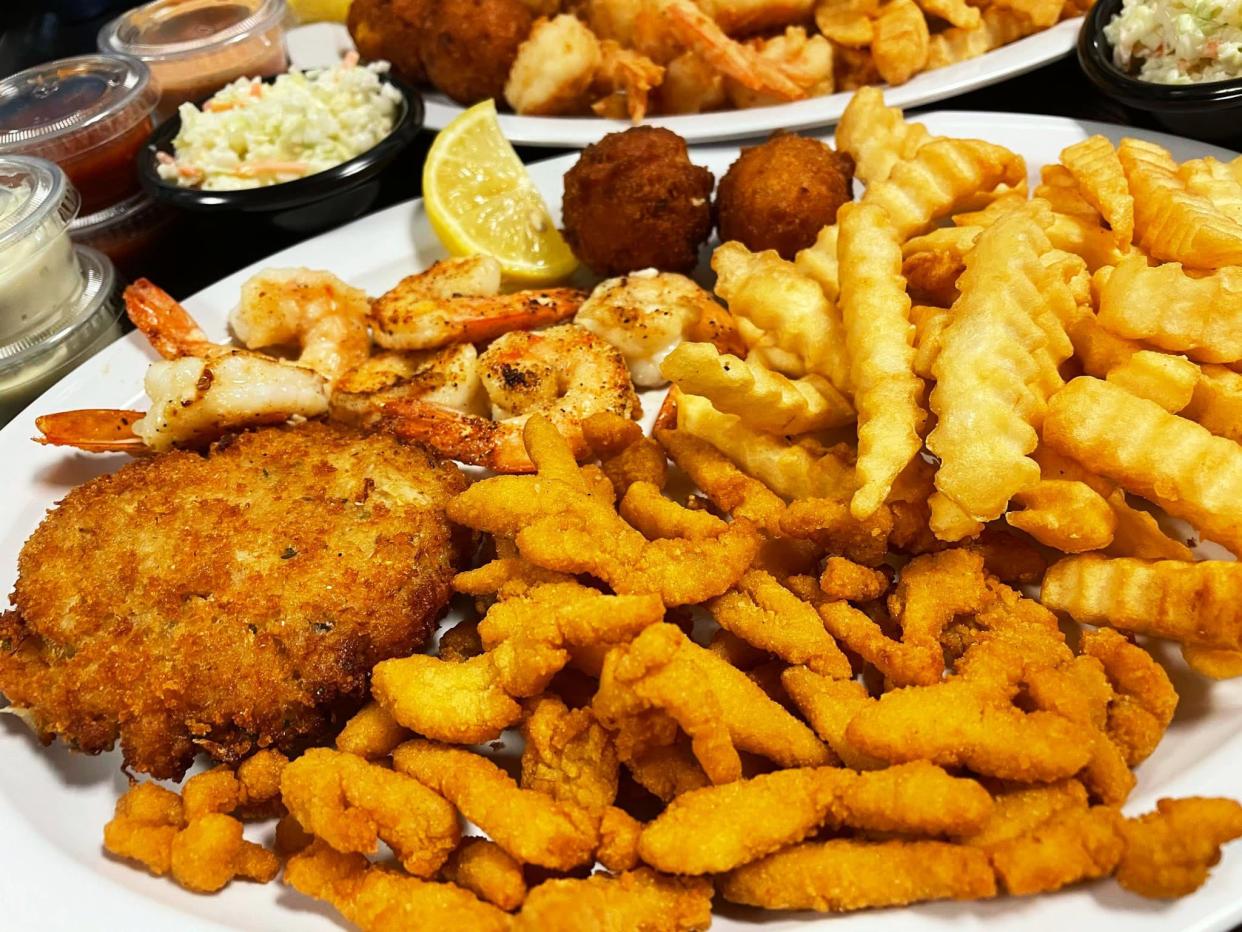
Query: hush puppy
pixel 633 201
pixel 389 30
pixel 468 46
pixel 779 195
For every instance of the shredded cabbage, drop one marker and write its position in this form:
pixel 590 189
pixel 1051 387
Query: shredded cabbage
pixel 1178 41
pixel 252 134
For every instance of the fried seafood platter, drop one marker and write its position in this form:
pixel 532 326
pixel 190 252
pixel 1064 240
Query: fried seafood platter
pixel 891 575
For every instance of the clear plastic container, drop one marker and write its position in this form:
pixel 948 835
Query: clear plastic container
pixel 90 114
pixel 34 362
pixel 129 233
pixel 195 47
pixel 38 271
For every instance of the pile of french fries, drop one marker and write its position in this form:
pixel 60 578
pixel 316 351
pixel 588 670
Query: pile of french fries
pixel 1067 363
pixel 894 41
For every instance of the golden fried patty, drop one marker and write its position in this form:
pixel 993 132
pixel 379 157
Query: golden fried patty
pixel 232 601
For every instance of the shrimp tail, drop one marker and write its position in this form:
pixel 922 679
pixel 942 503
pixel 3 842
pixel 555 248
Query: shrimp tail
pixel 468 438
pixel 699 32
pixel 168 326
pixel 95 430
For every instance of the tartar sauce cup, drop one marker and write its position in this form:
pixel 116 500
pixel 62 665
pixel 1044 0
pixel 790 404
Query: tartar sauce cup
pixel 1210 110
pixel 58 302
pixel 195 47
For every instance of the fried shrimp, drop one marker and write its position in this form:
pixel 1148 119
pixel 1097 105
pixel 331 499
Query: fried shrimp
pixel 565 373
pixel 314 310
pixel 647 314
pixel 200 391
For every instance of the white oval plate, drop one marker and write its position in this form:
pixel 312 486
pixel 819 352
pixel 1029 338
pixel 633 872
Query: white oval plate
pixel 323 43
pixel 53 803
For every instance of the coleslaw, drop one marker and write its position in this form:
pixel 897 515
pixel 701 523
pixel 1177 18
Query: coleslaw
pixel 1178 41
pixel 251 133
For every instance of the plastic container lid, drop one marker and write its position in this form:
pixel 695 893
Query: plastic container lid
pixel 61 109
pixel 46 197
pixel 127 231
pixel 35 362
pixel 95 309
pixel 167 30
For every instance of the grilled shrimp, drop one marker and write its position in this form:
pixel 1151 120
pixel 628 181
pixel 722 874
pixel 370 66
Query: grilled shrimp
pixel 448 377
pixel 458 301
pixel 199 391
pixel 303 307
pixel 646 314
pixel 565 373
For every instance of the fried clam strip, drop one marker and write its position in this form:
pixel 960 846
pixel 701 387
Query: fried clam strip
pixel 719 828
pixel 1172 224
pixel 529 638
pixel 1213 663
pixel 877 137
pixel 379 900
pixel 1194 603
pixel 829 705
pixel 562 528
pixel 879 336
pixel 462 702
pixel 845 580
pixel 482 867
pixel 531 826
pixel 997 366
pixel 768 616
pixel 1143 700
pixel 202 851
pixel 729 488
pixel 829 523
pixel 779 306
pixel 931 591
pixel 970 720
pixel 943 177
pixel 1200 316
pixel 1094 165
pixel 639 899
pixel 371 733
pixel 1169 460
pixel 843 875
pixel 626 455
pixel 764 399
pixel 352 805
pixel 1169 851
pixel 716 704
pixel 798 469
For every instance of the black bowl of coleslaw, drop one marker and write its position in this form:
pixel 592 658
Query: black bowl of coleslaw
pixel 304 205
pixel 1207 110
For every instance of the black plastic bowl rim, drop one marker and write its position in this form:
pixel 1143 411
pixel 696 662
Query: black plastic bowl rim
pixel 288 194
pixel 1095 55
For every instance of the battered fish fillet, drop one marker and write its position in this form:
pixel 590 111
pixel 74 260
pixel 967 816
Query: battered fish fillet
pixel 228 602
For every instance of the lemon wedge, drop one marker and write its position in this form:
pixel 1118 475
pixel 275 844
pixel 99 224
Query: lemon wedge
pixel 480 199
pixel 320 11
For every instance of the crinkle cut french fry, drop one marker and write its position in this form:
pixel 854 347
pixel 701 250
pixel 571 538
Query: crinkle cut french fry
pixel 877 137
pixel 1171 223
pixel 996 367
pixel 1058 187
pixel 1217 401
pixel 762 398
pixel 1000 26
pixel 878 333
pixel 1213 180
pixel 1163 306
pixel 929 327
pixel 899 42
pixel 942 176
pixel 819 261
pixel 1193 603
pixel 1169 460
pixel 786 305
pixel 1039 13
pixel 1095 166
pixel 1167 380
pixel 955 12
pixel 794 470
pixel 1097 348
pixel 843 875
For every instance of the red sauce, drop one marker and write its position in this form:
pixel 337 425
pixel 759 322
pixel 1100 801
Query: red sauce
pixel 106 174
